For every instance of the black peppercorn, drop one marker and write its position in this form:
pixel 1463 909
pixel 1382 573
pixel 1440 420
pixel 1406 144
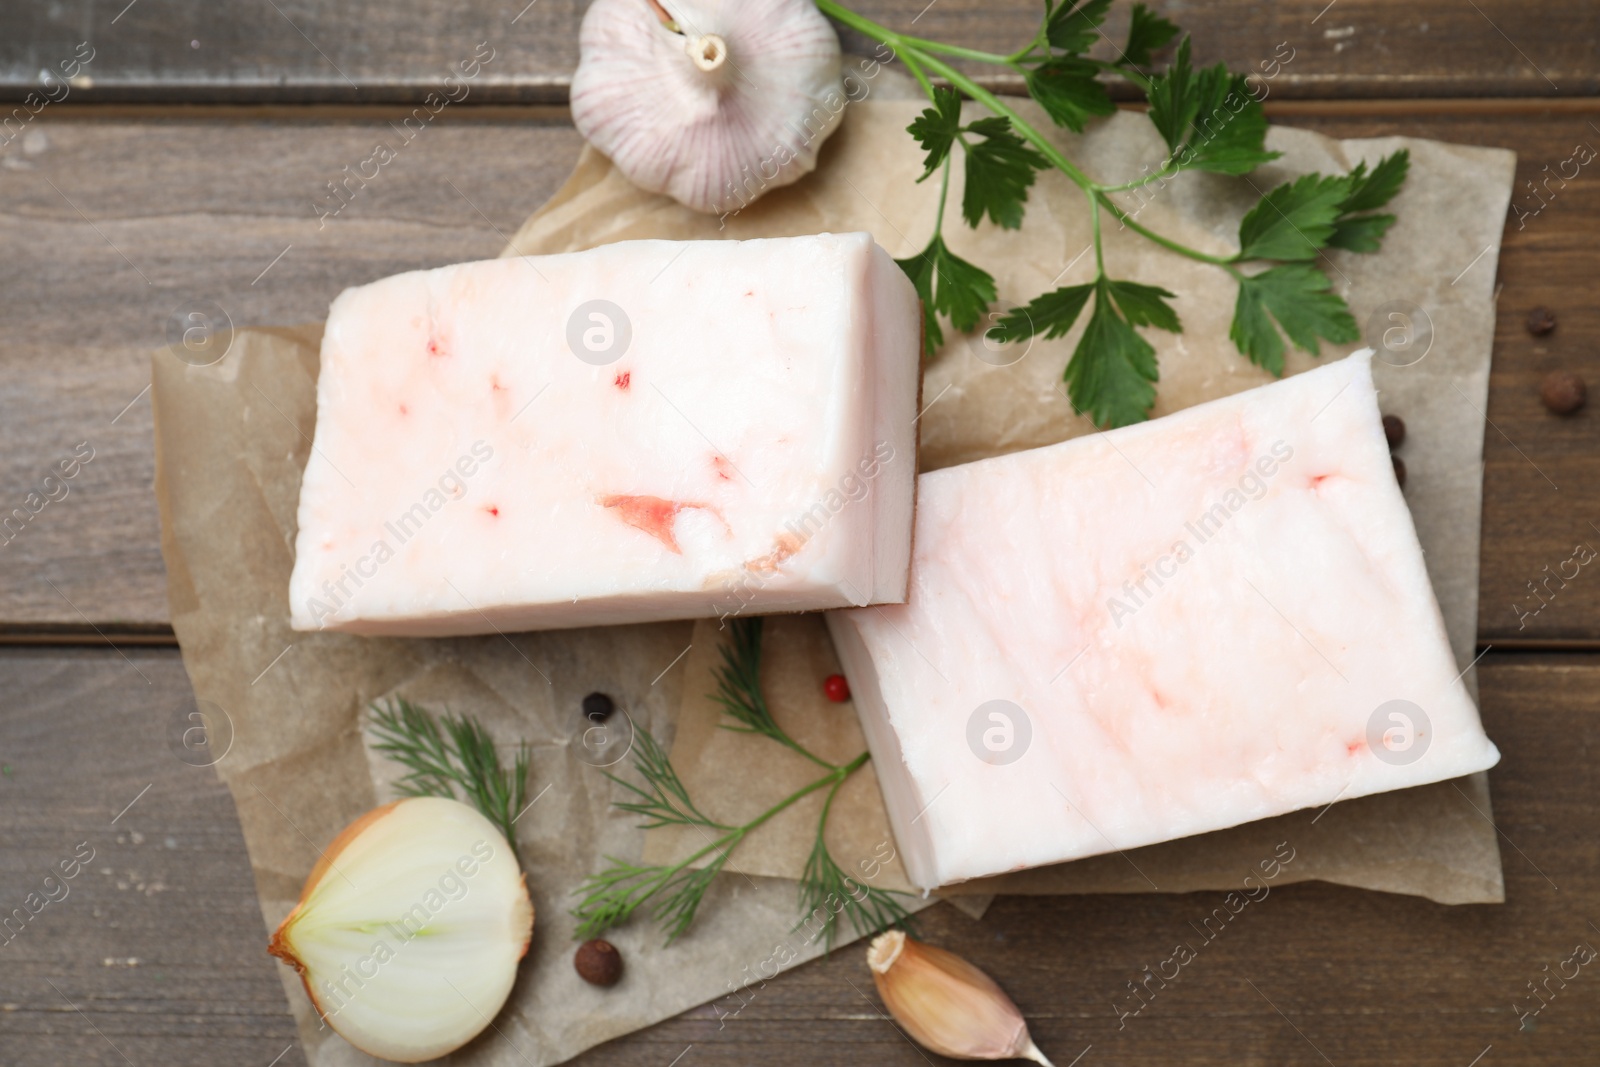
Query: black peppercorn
pixel 597 707
pixel 1399 470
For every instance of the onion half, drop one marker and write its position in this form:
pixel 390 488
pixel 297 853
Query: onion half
pixel 409 930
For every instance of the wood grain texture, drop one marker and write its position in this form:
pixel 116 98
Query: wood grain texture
pixel 112 219
pixel 200 207
pixel 388 50
pixel 155 950
pixel 1542 471
pixel 1359 978
pixel 109 227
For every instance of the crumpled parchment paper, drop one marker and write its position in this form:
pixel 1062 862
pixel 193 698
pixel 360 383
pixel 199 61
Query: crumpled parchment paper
pixel 1432 324
pixel 232 439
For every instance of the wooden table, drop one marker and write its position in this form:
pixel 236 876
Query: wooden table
pixel 183 169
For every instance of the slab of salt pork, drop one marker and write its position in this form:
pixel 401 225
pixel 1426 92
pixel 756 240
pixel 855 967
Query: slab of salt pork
pixel 648 430
pixel 1170 628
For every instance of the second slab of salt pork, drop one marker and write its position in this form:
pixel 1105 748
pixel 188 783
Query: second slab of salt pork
pixel 646 430
pixel 1170 628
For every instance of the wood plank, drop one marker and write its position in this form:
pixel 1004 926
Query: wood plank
pixel 1359 978
pixel 219 198
pixel 215 204
pixel 1542 471
pixel 157 943
pixel 390 50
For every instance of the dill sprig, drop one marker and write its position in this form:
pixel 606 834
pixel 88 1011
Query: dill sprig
pixel 451 752
pixel 826 892
pixel 673 893
pixel 611 896
pixel 666 802
pixel 739 689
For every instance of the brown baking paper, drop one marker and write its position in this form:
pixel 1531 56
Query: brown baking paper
pixel 232 439
pixel 1434 278
pixel 231 442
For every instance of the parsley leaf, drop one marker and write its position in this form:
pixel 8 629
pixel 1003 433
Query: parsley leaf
pixel 1364 233
pixel 1173 104
pixel 1067 88
pixel 1146 33
pixel 1209 118
pixel 936 128
pixel 1074 27
pixel 1000 169
pixel 1297 296
pixel 922 269
pixel 1294 220
pixel 1230 128
pixel 965 290
pixel 949 285
pixel 1146 305
pixel 1112 372
pixel 1369 192
pixel 1318 211
pixel 1051 313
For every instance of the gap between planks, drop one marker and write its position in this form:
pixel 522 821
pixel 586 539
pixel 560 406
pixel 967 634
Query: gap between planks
pixel 162 637
pixel 557 114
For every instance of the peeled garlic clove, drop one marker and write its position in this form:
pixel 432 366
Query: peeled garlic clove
pixel 946 1004
pixel 409 930
pixel 712 102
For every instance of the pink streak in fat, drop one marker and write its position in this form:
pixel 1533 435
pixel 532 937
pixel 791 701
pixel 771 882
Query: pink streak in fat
pixel 653 514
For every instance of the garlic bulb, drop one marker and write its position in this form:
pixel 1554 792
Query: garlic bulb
pixel 712 102
pixel 946 1004
pixel 409 930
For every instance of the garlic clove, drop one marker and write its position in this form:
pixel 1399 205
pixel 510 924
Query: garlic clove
pixel 946 1004
pixel 712 102
pixel 409 930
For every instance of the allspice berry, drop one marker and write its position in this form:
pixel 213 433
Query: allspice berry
pixel 1399 470
pixel 1541 321
pixel 1563 392
pixel 598 962
pixel 1394 430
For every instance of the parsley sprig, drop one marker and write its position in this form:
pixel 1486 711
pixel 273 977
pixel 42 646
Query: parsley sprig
pixel 1209 121
pixel 674 892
